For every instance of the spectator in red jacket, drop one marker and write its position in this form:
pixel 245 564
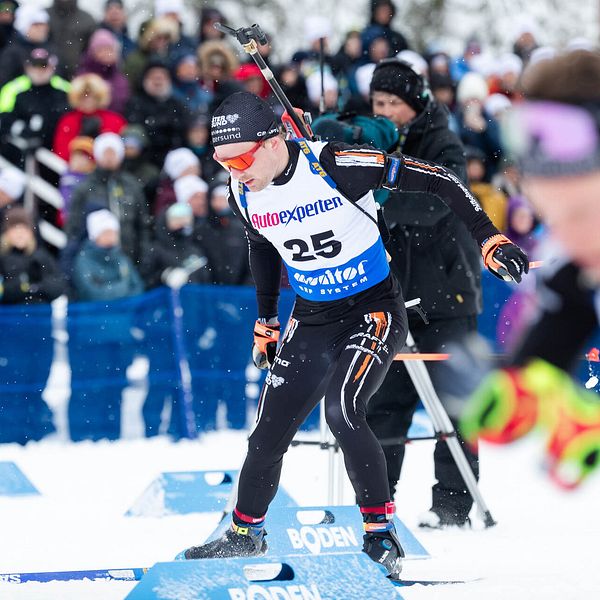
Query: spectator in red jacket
pixel 89 96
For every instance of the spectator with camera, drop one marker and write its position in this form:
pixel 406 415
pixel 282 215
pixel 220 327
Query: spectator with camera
pixel 434 259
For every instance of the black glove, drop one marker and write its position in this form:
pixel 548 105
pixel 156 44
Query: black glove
pixel 504 259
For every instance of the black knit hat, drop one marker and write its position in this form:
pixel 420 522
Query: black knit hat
pixel 243 117
pixel 399 78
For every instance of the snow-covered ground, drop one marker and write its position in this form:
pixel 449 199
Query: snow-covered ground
pixel 545 545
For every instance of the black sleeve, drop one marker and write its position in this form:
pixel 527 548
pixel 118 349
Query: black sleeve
pixel 418 175
pixel 265 265
pixel 355 169
pixel 565 320
pixel 358 169
pixel 52 283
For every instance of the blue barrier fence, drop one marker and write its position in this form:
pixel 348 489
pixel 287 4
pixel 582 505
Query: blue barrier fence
pixel 215 336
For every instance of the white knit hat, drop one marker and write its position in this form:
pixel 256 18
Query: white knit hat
pixel 496 104
pixel 187 186
pixel 108 140
pixel 178 160
pixel 316 27
pixel 26 16
pixel 163 7
pixel 415 60
pixel 100 221
pixel 472 86
pixel 363 76
pixel 313 85
pixel 12 182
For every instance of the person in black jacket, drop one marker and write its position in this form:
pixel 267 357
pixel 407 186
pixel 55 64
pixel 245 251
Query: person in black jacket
pixel 165 118
pixel 223 237
pixel 29 273
pixel 434 259
pixel 32 104
pixel 28 276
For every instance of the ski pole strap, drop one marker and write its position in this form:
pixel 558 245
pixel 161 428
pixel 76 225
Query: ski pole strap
pixel 491 244
pixel 317 169
pixel 315 165
pixel 242 193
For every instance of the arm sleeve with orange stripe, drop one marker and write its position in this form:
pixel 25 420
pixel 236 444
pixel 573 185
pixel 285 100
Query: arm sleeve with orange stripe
pixel 353 179
pixel 358 169
pixel 418 175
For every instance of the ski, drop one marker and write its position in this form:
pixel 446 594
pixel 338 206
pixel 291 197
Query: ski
pixel 134 574
pixel 409 582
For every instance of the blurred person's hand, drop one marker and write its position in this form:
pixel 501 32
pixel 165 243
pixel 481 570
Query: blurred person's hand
pixel 511 402
pixel 175 277
pixel 473 118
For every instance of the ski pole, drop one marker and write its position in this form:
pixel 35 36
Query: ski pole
pixel 249 38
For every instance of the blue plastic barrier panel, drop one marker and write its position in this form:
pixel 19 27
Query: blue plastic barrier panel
pixel 13 482
pixel 347 576
pixel 192 492
pixel 321 531
pixel 421 425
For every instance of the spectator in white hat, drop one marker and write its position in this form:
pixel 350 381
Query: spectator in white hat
pixel 175 10
pixel 110 187
pixel 32 31
pixel 181 162
pixel 178 163
pixel 192 190
pixel 476 127
pixel 330 91
pixel 109 151
pixel 12 186
pixel 102 271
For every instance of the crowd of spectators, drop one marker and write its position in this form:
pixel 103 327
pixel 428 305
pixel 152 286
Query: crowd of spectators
pixel 129 112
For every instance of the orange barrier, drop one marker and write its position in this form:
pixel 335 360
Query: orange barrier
pixel 429 356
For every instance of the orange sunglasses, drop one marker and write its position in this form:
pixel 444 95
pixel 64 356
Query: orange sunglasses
pixel 241 161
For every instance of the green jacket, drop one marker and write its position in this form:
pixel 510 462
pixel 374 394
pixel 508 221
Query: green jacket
pixel 10 91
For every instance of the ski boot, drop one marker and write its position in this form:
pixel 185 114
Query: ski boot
pixel 380 542
pixel 243 539
pixel 439 519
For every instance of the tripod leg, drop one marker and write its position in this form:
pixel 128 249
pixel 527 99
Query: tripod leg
pixel 442 424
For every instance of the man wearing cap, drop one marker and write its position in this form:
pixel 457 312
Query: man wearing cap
pixel 554 137
pixel 32 31
pixel 32 104
pixel 435 259
pixel 310 205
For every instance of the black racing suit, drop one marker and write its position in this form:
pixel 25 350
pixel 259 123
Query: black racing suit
pixel 338 349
